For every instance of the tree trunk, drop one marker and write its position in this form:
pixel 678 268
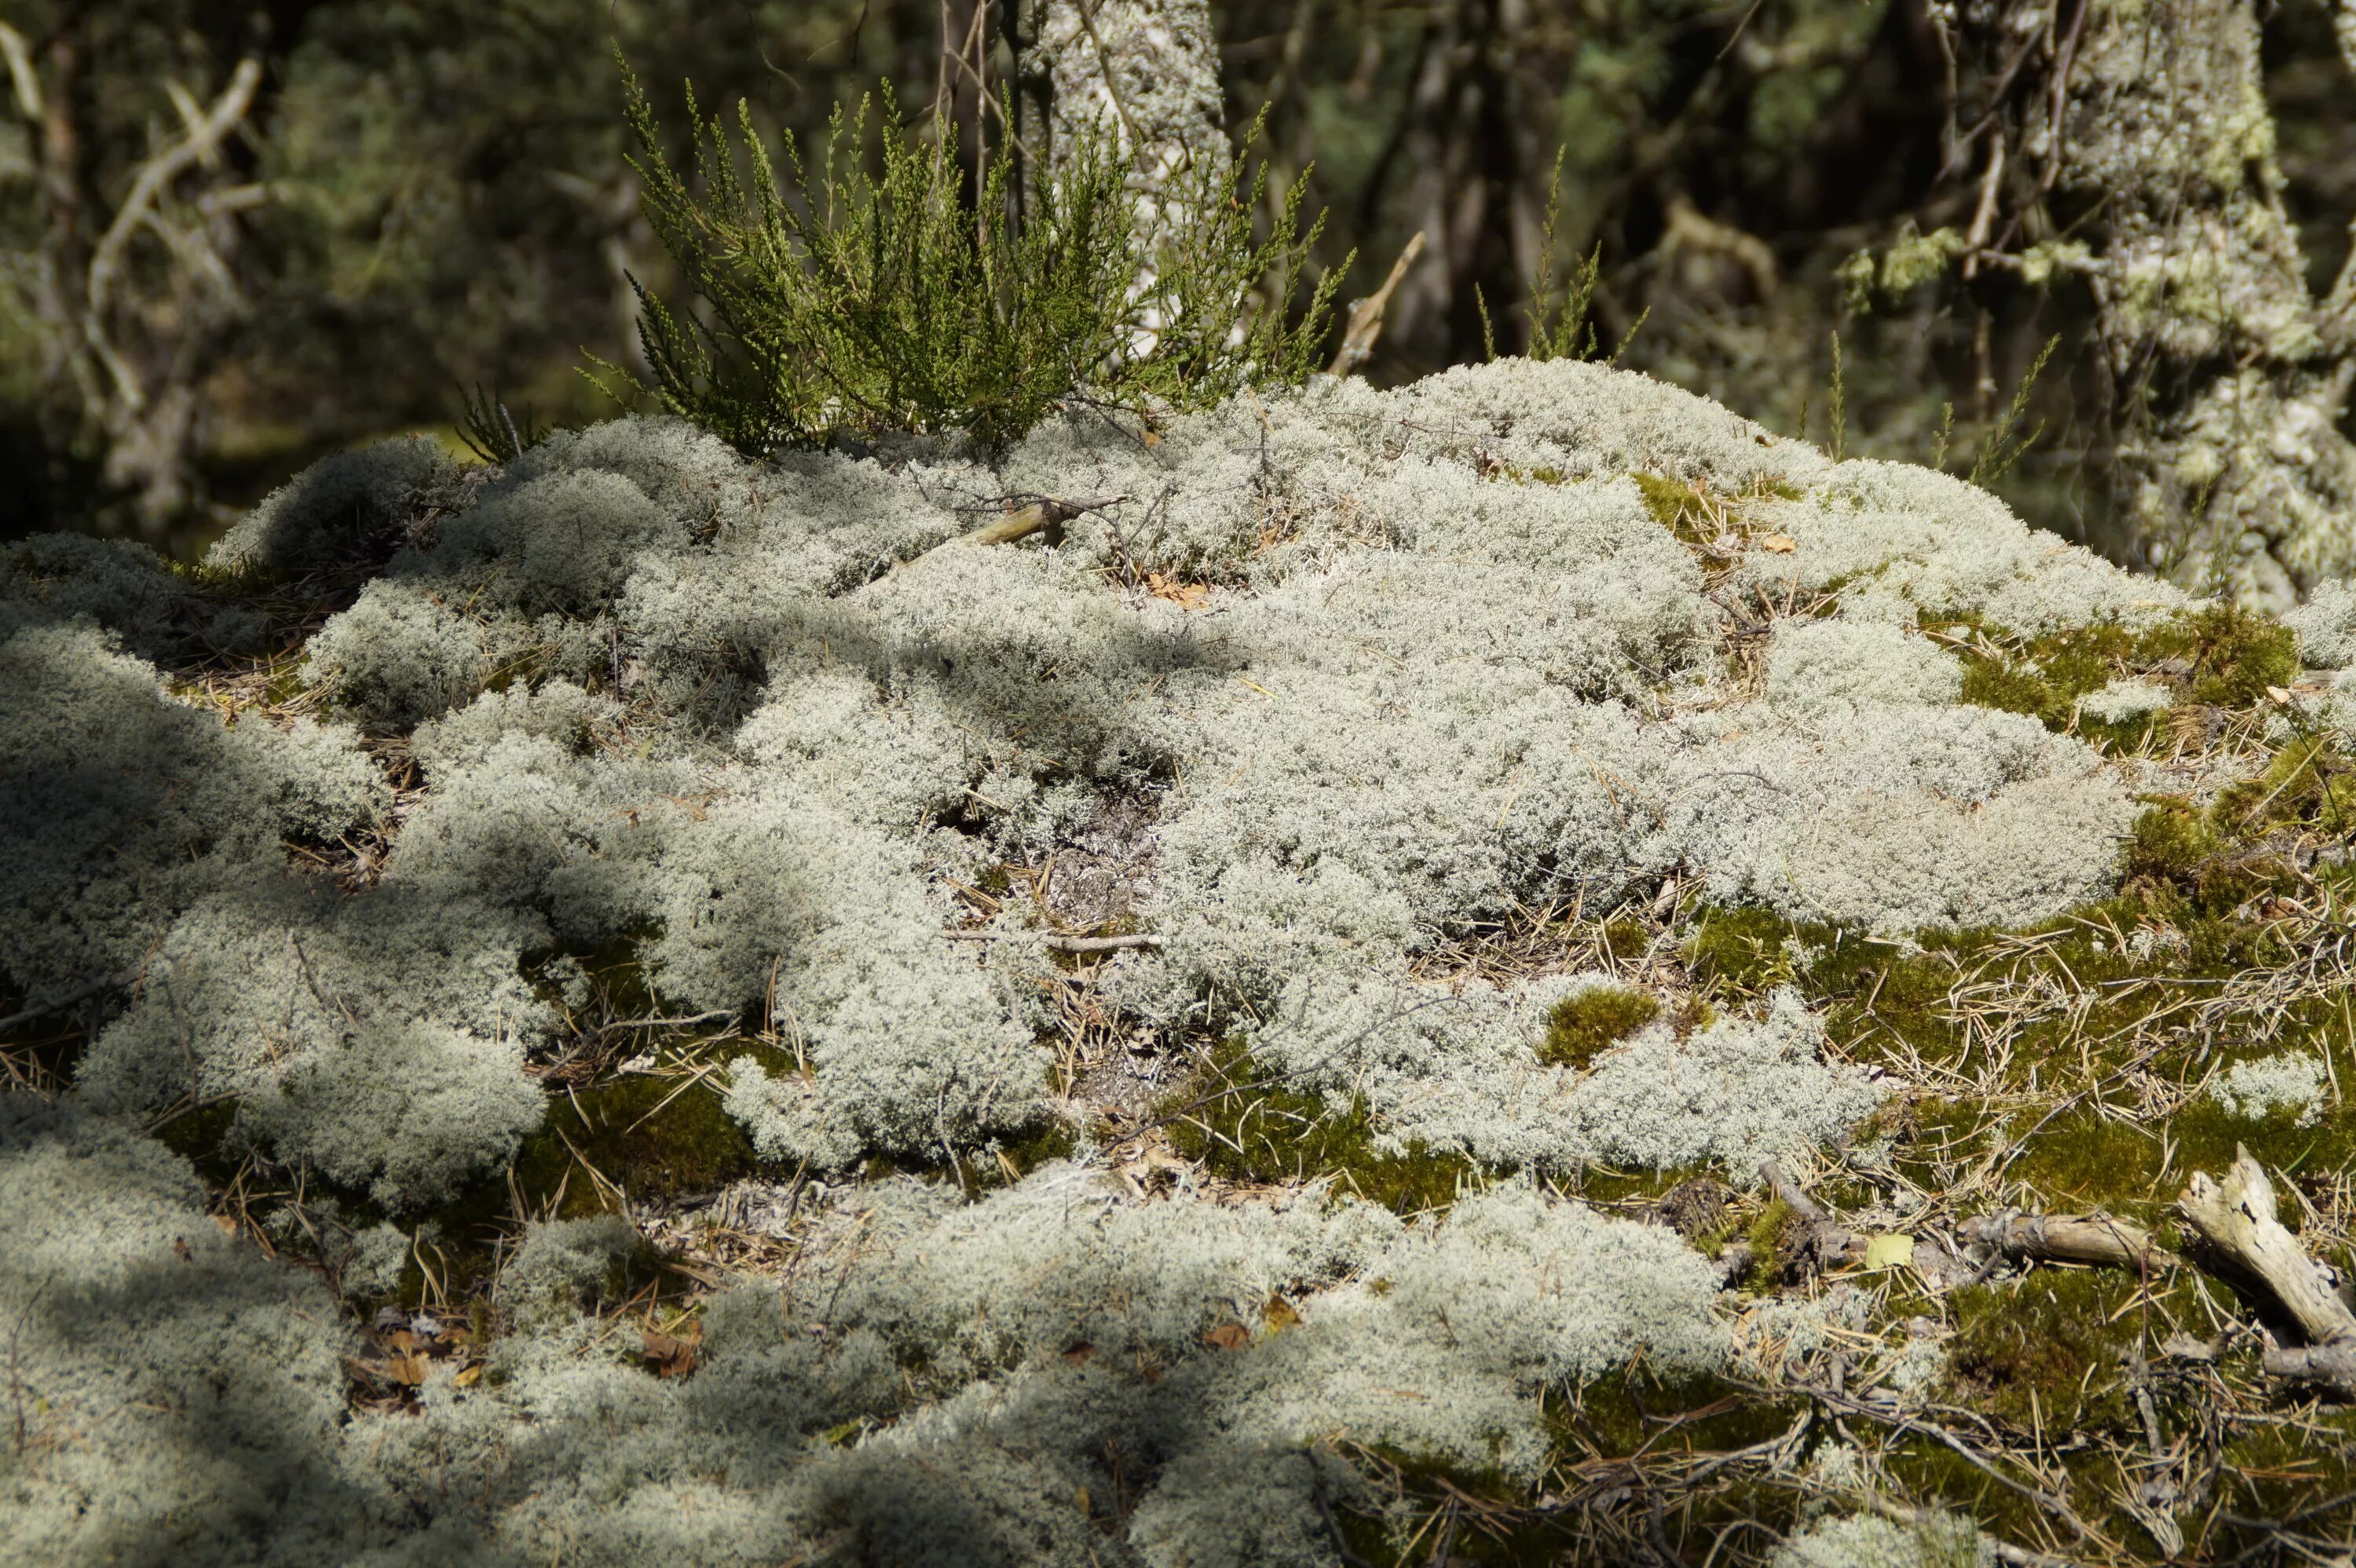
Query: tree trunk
pixel 1147 73
pixel 2149 125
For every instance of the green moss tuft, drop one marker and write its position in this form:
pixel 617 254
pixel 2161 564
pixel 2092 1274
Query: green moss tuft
pixel 2225 658
pixel 1585 1025
pixel 1247 1131
pixel 1675 505
pixel 1739 949
pixel 651 1137
pixel 2042 1351
pixel 1766 1235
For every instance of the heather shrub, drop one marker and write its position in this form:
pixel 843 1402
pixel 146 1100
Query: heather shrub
pixel 863 298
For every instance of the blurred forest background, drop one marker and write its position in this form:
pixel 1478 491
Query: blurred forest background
pixel 235 236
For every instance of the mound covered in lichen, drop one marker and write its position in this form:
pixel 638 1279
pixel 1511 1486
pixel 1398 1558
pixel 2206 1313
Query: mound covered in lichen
pixel 1342 885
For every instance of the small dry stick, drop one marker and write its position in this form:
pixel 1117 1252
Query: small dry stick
pixel 1827 1244
pixel 2236 1216
pixel 1367 314
pixel 1063 944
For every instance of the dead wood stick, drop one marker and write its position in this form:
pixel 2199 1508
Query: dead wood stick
pixel 2326 1366
pixel 1046 512
pixel 1367 314
pixel 2064 1238
pixel 2236 1216
pixel 1056 943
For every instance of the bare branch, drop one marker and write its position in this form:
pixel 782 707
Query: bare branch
pixel 2236 1216
pixel 20 73
pixel 155 176
pixel 2064 1238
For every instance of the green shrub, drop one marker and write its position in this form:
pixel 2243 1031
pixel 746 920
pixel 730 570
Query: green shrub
pixel 872 299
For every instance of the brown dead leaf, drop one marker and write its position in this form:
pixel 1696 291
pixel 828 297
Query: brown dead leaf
pixel 407 1371
pixel 404 1341
pixel 1228 1337
pixel 1280 1315
pixel 1186 595
pixel 1078 1354
pixel 672 1354
pixel 469 1376
pixel 1779 544
pixel 225 1224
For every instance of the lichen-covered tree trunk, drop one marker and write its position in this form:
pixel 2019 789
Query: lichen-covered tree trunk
pixel 2149 120
pixel 1147 73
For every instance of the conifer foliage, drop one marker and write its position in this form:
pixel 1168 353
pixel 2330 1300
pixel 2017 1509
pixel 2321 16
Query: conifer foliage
pixel 872 299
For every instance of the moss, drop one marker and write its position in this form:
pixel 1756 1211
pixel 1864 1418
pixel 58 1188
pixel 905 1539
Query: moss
pixel 1247 1131
pixel 2084 1158
pixel 2042 1351
pixel 2274 1471
pixel 1675 505
pixel 2171 840
pixel 2223 656
pixel 650 1136
pixel 2235 654
pixel 1741 949
pixel 206 1138
pixel 1585 1025
pixel 1632 1409
pixel 1627 940
pixel 1766 1235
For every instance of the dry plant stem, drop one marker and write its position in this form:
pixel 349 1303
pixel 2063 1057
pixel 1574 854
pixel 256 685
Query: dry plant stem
pixel 1367 314
pixel 2065 1239
pixel 2236 1216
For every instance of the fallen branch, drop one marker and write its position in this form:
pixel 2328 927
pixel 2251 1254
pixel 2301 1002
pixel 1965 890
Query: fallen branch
pixel 1825 1243
pixel 2064 1239
pixel 2236 1217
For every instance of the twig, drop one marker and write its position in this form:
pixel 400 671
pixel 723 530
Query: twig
pixel 1825 1243
pixel 1055 943
pixel 1046 513
pixel 1367 314
pixel 80 994
pixel 2064 1238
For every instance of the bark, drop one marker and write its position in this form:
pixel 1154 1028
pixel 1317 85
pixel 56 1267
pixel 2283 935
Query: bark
pixel 1145 71
pixel 2145 129
pixel 2062 1237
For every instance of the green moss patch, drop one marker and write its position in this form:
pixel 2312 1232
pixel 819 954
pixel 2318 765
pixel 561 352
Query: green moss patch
pixel 1247 1130
pixel 2043 1351
pixel 650 1137
pixel 1584 1026
pixel 2222 658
